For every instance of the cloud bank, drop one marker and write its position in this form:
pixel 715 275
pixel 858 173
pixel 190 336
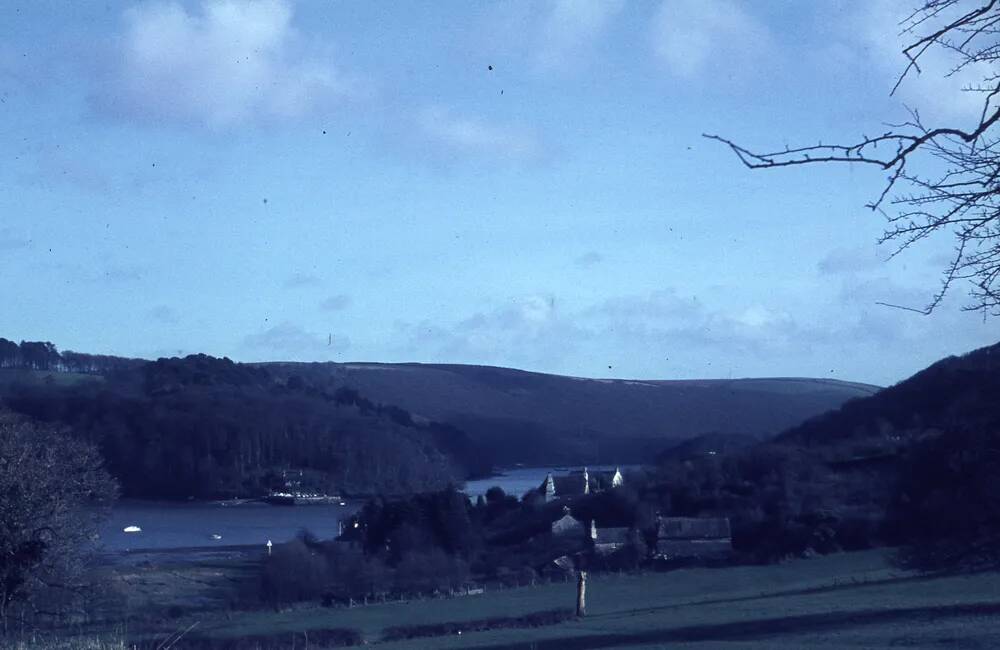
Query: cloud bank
pixel 570 27
pixel 229 62
pixel 290 342
pixel 469 134
pixel 690 36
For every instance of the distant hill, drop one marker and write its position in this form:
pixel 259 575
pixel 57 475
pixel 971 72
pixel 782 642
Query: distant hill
pixel 229 427
pixel 955 392
pixel 210 428
pixel 707 444
pixel 536 418
pixel 913 465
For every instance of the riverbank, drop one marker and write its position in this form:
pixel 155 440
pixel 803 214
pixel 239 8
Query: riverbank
pixel 250 522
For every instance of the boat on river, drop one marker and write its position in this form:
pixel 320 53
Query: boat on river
pixel 300 499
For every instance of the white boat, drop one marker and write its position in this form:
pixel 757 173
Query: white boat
pixel 131 529
pixel 216 536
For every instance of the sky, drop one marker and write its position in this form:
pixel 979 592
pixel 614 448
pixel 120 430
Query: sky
pixel 509 183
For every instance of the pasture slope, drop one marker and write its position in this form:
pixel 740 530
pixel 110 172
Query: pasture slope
pixel 522 417
pixel 850 600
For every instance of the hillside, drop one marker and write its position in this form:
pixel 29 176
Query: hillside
pixel 527 417
pixel 211 428
pixel 914 464
pixel 962 391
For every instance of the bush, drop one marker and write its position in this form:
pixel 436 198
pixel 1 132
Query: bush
pixel 294 572
pixel 429 572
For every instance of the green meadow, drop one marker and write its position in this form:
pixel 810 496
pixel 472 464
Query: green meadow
pixel 851 600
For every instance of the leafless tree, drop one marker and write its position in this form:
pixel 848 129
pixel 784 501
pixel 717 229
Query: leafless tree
pixel 53 490
pixel 941 178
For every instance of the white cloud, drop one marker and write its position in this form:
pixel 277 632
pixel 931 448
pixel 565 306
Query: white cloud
pixel 656 335
pixel 666 334
pixel 528 332
pixel 473 135
pixel 290 342
pixel 877 32
pixel 690 36
pixel 570 27
pixel 228 63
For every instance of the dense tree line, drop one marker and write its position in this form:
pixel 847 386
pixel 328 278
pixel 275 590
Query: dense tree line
pixel 205 427
pixel 42 355
pixel 436 542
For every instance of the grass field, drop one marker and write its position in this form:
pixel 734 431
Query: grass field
pixel 35 377
pixel 841 601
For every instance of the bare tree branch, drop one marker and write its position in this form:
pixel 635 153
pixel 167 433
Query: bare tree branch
pixel 964 198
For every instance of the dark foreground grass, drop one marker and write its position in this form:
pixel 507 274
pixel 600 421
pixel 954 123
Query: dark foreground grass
pixel 872 609
pixel 843 601
pixel 848 601
pixel 39 642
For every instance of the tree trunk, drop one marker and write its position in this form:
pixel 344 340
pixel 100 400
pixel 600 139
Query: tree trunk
pixel 581 594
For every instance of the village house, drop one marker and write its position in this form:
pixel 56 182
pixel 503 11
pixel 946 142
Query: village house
pixel 610 540
pixel 567 526
pixel 579 483
pixel 604 541
pixel 686 538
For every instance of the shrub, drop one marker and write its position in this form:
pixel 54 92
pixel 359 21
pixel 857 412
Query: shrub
pixel 294 572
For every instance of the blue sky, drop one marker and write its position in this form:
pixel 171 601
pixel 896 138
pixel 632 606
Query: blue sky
pixel 510 183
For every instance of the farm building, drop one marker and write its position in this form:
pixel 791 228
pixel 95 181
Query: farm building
pixel 567 525
pixel 610 540
pixel 579 483
pixel 693 538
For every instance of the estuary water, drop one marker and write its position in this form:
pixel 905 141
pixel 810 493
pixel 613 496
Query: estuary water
pixel 168 525
pixel 171 525
pixel 517 481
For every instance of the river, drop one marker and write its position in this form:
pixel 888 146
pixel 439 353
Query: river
pixel 171 525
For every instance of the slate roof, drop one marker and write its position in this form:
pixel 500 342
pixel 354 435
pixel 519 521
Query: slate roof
pixel 693 548
pixel 567 524
pixel 578 483
pixel 693 537
pixel 688 528
pixel 612 536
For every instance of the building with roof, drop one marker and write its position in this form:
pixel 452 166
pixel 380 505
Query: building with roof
pixel 568 525
pixel 693 538
pixel 610 540
pixel 579 483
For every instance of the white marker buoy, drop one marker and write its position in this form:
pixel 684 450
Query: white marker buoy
pixel 269 545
